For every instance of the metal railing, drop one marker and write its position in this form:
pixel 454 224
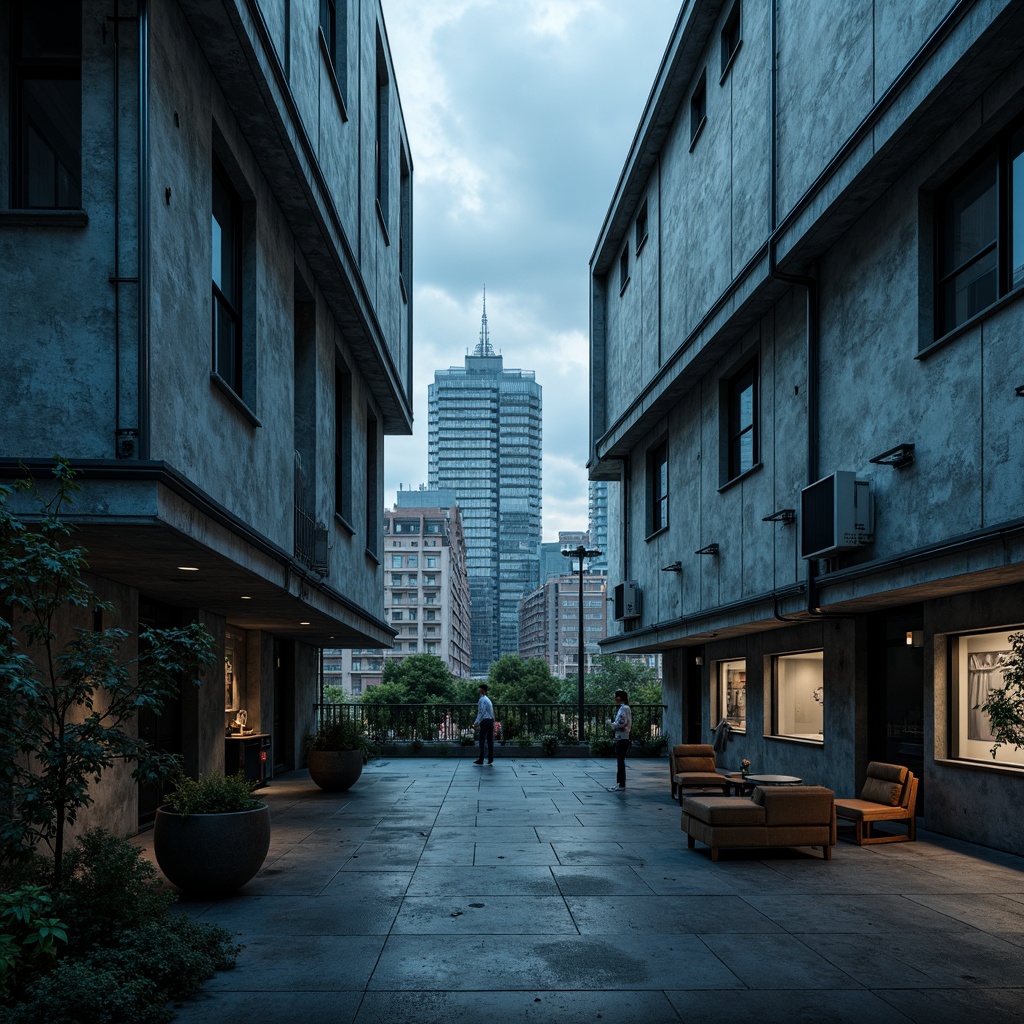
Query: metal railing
pixel 451 723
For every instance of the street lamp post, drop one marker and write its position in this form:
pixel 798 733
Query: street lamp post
pixel 581 553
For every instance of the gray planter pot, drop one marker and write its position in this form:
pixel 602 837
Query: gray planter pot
pixel 211 855
pixel 335 770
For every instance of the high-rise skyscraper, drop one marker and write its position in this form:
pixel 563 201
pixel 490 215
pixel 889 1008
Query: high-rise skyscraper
pixel 599 524
pixel 484 444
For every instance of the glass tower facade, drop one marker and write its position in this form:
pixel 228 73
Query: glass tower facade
pixel 484 444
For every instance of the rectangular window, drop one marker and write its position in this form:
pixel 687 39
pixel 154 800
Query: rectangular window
pixel 657 488
pixel 334 26
pixel 698 107
pixel 979 661
pixel 431 561
pixel 381 137
pixel 413 561
pixel 623 270
pixel 798 696
pixel 641 228
pixel 226 248
pixel 46 105
pixel 396 562
pixel 731 37
pixel 405 226
pixel 741 417
pixel 397 616
pixel 980 234
pixel 732 693
pixel 343 443
pixel 373 498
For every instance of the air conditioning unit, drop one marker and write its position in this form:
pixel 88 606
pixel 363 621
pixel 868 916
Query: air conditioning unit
pixel 627 600
pixel 836 514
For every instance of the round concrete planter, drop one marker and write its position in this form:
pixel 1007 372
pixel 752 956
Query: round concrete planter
pixel 335 770
pixel 211 855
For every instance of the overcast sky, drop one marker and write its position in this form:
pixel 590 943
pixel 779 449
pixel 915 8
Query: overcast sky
pixel 520 114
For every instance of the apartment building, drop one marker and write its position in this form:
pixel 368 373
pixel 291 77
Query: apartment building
pixel 806 390
pixel 206 225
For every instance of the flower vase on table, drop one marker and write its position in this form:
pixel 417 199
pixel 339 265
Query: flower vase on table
pixel 744 768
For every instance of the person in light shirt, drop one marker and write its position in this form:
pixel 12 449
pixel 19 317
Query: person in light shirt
pixel 485 723
pixel 621 725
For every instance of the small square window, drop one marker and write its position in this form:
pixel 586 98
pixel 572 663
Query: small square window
pixel 731 37
pixel 698 107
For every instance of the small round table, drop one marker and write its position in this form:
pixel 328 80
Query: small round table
pixel 743 784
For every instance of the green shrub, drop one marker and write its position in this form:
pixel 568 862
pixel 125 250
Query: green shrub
pixel 90 991
pixel 467 741
pixel 525 741
pixel 109 887
pixel 341 734
pixel 29 936
pixel 602 747
pixel 549 744
pixel 213 794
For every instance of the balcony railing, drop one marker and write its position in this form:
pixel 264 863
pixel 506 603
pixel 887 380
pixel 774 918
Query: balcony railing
pixel 402 723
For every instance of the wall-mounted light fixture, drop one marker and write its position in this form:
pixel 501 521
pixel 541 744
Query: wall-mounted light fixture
pixel 698 660
pixel 915 638
pixel 783 515
pixel 674 567
pixel 708 549
pixel 898 457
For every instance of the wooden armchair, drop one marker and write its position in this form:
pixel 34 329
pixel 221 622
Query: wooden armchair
pixel 692 766
pixel 889 794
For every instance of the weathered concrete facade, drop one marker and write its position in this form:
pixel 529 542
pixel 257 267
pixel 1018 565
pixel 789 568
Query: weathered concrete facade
pixel 779 293
pixel 257 138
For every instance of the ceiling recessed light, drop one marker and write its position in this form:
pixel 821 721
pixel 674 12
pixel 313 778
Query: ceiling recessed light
pixel 246 597
pixel 303 623
pixel 189 568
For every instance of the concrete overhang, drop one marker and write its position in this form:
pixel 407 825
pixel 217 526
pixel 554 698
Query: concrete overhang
pixel 139 523
pixel 241 55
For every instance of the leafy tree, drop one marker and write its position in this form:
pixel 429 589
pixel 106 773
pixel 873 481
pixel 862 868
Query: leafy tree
pixel 610 675
pixel 467 691
pixel 511 680
pixel 65 700
pixel 1005 705
pixel 388 691
pixel 420 678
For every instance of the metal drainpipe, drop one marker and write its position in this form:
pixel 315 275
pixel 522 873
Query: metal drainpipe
pixel 143 232
pixel 810 285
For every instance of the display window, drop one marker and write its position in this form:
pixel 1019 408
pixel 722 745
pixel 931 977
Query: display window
pixel 732 693
pixel 234 668
pixel 799 696
pixel 978 660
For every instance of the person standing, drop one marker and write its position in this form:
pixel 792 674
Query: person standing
pixel 621 725
pixel 485 723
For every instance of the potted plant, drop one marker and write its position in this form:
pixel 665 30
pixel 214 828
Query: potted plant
pixel 336 754
pixel 1005 704
pixel 212 835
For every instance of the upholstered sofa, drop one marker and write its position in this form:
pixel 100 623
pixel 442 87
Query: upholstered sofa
pixel 771 816
pixel 889 794
pixel 692 766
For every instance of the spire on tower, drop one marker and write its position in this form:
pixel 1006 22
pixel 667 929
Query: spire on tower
pixel 483 347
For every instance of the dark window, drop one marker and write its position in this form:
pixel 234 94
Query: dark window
pixel 226 245
pixel 343 443
pixel 731 37
pixel 657 488
pixel 373 500
pixel 405 227
pixel 742 422
pixel 623 270
pixel 980 226
pixel 381 155
pixel 334 26
pixel 641 227
pixel 698 107
pixel 46 107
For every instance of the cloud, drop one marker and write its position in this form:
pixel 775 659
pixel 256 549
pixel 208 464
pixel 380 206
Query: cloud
pixel 520 114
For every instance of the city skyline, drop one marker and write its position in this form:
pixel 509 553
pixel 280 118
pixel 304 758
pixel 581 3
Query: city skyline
pixel 517 136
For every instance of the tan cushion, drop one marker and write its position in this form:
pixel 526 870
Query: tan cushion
pixel 881 792
pixel 722 810
pixel 694 757
pixel 699 779
pixel 869 810
pixel 695 764
pixel 798 805
pixel 887 772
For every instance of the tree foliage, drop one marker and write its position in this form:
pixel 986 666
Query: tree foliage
pixel 66 697
pixel 1005 705
pixel 513 680
pixel 610 675
pixel 423 679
